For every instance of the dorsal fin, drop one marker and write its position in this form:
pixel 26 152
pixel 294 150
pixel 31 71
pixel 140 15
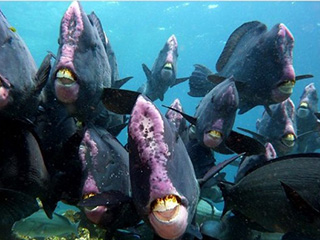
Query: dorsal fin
pixel 96 22
pixel 233 41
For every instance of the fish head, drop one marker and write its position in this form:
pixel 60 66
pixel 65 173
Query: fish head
pixel 163 183
pixel 280 128
pixel 17 71
pixel 105 167
pixel 177 120
pixel 81 69
pixel 165 66
pixel 308 101
pixel 283 57
pixel 216 114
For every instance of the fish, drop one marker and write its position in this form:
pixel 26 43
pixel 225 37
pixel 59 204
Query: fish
pixel 164 187
pixel 81 69
pixel 307 121
pixel 20 81
pixel 254 161
pixel 261 63
pixel 293 181
pixel 214 118
pixel 163 73
pixel 165 190
pixel 24 176
pixel 279 129
pixel 38 225
pixel 105 190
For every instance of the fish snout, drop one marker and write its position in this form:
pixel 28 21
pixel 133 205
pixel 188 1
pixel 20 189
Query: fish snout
pixel 212 138
pixel 169 217
pixel 288 140
pixel 66 86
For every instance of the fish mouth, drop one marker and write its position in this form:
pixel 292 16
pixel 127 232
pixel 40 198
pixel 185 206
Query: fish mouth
pixel 65 77
pixel 212 138
pixel 169 217
pixel 166 209
pixel 288 140
pixel 66 86
pixel 287 86
pixel 303 110
pixel 89 195
pixel 168 66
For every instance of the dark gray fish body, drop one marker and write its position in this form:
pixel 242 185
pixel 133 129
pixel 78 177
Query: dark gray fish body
pixel 22 170
pixel 105 166
pixel 164 187
pixel 261 63
pixel 163 73
pixel 202 157
pixel 216 115
pixel 307 121
pixel 20 86
pixel 113 122
pixel 81 70
pixel 293 181
pixel 251 162
pixel 280 128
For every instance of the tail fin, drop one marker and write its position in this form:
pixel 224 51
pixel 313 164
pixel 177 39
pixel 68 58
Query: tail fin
pixel 198 83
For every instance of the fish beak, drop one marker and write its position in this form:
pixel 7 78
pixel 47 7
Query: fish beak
pixel 288 140
pixel 287 86
pixel 166 209
pixel 168 66
pixel 212 139
pixel 304 105
pixel 65 77
pixel 89 195
pixel 215 134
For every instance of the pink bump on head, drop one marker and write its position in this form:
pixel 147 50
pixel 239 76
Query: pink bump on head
pixel 173 116
pixel 71 29
pixel 146 128
pixel 284 31
pixel 172 42
pixel 172 45
pixel 90 145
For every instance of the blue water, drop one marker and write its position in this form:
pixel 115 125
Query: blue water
pixel 138 30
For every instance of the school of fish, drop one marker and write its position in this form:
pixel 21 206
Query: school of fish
pixel 59 143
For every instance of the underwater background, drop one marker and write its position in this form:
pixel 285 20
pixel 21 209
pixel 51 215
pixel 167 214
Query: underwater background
pixel 138 30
